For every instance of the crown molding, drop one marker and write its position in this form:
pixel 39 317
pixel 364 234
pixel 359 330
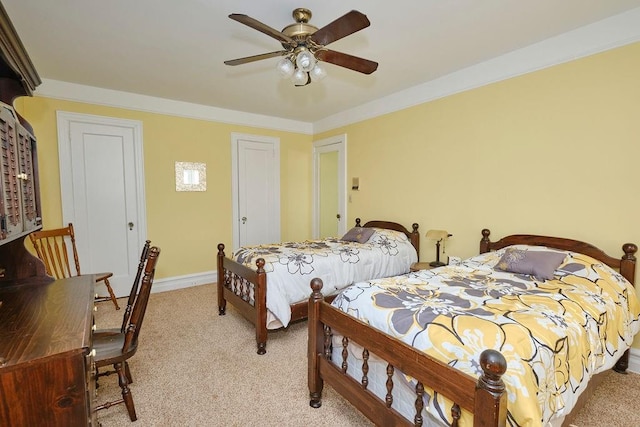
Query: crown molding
pixel 113 98
pixel 609 33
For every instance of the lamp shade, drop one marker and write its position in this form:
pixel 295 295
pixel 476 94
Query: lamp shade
pixel 305 61
pixel 437 235
pixel 318 73
pixel 299 77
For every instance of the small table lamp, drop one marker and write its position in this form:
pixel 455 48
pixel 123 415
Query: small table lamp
pixel 438 236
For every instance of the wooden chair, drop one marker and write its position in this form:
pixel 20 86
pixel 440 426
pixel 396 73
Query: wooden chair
pixel 115 348
pixel 101 334
pixel 51 248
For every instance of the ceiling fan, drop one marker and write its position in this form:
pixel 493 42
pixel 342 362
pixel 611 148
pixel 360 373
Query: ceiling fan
pixel 305 45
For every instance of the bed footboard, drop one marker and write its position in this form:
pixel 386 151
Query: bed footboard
pixel 484 397
pixel 246 289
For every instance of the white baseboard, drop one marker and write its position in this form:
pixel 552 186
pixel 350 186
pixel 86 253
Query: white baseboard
pixel 180 282
pixel 634 360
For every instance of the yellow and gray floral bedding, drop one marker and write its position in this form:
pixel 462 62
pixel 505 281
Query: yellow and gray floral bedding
pixel 292 265
pixel 555 334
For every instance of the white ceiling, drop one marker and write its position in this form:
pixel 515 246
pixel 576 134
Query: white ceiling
pixel 175 49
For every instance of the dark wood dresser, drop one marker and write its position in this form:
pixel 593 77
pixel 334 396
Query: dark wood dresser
pixel 46 365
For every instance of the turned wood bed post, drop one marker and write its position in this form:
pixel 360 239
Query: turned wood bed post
pixel 628 270
pixel 316 344
pixel 491 396
pixel 628 262
pixel 260 304
pixel 415 238
pixel 485 241
pixel 222 303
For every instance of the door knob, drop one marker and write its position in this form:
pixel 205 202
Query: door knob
pixel 130 226
pixel 244 219
pixel 338 216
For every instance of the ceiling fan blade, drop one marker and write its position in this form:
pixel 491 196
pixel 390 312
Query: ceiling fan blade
pixel 348 61
pixel 348 23
pixel 263 28
pixel 253 58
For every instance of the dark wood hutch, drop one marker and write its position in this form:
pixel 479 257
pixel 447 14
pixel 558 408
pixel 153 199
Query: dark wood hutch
pixel 19 183
pixel 46 364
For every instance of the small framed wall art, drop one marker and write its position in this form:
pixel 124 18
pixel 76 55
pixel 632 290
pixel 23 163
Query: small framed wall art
pixel 191 176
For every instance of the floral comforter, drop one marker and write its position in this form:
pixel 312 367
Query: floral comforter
pixel 292 265
pixel 554 334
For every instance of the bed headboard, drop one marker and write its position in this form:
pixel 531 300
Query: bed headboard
pixel 626 264
pixel 414 236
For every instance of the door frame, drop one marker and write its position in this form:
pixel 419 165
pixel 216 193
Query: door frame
pixel 64 120
pixel 339 142
pixel 235 170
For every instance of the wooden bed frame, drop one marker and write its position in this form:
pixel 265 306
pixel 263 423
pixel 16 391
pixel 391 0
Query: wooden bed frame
pixel 485 397
pixel 235 281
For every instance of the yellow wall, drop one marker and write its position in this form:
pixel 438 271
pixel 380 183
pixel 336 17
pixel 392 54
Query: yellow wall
pixel 553 152
pixel 186 225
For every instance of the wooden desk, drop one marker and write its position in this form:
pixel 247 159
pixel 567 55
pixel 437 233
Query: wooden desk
pixel 46 372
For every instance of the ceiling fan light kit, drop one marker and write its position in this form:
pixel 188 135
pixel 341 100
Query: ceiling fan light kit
pixel 305 44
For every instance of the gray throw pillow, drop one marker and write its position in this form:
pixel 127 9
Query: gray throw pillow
pixel 358 234
pixel 541 264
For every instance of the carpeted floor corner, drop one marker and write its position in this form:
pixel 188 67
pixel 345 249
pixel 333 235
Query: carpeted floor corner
pixel 195 368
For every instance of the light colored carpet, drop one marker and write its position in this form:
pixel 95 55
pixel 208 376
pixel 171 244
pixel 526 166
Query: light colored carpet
pixel 195 368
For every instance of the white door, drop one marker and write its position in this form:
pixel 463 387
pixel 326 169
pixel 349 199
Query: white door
pixel 256 189
pixel 102 184
pixel 329 187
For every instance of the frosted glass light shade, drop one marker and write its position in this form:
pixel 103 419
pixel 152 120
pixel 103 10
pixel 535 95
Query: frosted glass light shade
pixel 299 77
pixel 318 73
pixel 305 61
pixel 285 68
